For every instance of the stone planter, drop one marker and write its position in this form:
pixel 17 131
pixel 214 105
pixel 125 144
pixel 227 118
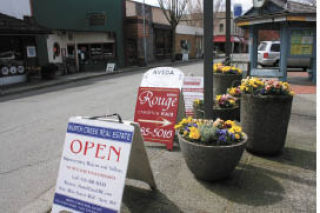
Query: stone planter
pixel 211 163
pixel 221 82
pixel 265 120
pixel 222 113
pixel 226 113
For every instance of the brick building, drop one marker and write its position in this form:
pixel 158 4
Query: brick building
pixel 158 35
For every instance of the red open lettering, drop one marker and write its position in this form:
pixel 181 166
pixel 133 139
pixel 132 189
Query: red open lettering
pixel 115 151
pixel 86 147
pixel 72 145
pixel 100 147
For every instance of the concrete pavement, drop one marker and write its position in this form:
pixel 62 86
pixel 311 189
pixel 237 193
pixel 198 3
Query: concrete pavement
pixel 284 183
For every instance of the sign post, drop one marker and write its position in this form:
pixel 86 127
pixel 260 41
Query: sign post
pixel 160 104
pixel 94 165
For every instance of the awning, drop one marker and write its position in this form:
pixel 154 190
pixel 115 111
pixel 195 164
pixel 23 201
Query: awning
pixel 222 39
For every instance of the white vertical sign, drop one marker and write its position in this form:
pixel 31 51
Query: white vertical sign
pixel 93 166
pixel 192 89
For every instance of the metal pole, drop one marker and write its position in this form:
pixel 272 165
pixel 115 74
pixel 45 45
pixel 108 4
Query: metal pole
pixel 144 34
pixel 208 58
pixel 228 11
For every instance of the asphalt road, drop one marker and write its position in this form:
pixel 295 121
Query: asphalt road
pixel 33 126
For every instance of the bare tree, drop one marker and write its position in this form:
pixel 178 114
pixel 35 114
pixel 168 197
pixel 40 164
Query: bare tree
pixel 173 11
pixel 194 15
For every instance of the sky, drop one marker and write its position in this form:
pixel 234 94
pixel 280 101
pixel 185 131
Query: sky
pixel 246 4
pixel 16 8
pixel 19 8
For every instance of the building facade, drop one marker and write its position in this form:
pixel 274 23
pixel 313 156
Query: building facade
pixel 157 35
pixel 21 51
pixel 87 34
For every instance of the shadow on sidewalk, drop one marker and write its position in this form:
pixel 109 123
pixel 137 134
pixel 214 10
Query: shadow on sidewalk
pixel 296 157
pixel 139 200
pixel 248 185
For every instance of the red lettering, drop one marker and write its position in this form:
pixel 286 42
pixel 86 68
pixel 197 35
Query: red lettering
pixel 72 146
pixel 115 151
pixel 100 147
pixel 86 147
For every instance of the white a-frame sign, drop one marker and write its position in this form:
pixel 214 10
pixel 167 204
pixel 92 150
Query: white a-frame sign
pixel 97 157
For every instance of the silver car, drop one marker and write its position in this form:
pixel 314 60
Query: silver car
pixel 269 55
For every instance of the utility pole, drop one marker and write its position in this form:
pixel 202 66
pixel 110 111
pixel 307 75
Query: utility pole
pixel 228 11
pixel 208 57
pixel 144 33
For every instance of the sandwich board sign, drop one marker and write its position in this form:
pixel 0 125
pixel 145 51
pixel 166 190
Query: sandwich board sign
pixel 160 104
pixel 192 90
pixel 94 165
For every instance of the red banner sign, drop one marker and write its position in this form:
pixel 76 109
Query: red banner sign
pixel 156 112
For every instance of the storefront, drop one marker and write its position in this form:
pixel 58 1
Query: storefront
pixel 81 50
pixel 84 39
pixel 19 52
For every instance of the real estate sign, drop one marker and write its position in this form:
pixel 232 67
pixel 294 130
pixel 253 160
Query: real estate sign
pixel 93 166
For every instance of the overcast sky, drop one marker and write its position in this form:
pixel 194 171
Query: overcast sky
pixel 19 8
pixel 16 8
pixel 246 4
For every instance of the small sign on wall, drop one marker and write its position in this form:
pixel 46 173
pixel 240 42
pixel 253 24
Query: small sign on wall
pixel 31 52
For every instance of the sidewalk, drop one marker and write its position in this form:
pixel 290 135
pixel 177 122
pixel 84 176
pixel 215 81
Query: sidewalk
pixel 64 79
pixel 283 183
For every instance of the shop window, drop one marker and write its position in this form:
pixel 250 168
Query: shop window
pixel 96 52
pixel 56 50
pixel 70 51
pixel 221 28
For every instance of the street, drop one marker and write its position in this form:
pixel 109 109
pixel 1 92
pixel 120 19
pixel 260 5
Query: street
pixel 33 128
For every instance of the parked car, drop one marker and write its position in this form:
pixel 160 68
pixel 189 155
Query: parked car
pixel 269 55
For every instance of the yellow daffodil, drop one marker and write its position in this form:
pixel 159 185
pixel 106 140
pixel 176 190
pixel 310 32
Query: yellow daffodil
pixel 237 136
pixel 237 128
pixel 177 126
pixel 218 97
pixel 194 133
pixel 232 102
pixel 229 123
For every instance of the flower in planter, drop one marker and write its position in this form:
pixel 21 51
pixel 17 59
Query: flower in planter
pixel 226 101
pixel 198 103
pixel 220 68
pixel 209 132
pixel 265 87
pixel 234 91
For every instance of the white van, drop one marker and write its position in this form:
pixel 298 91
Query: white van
pixel 269 55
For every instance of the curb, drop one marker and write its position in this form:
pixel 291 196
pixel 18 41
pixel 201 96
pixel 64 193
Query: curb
pixel 27 88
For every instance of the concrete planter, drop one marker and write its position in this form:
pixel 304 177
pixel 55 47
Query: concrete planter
pixel 226 113
pixel 265 120
pixel 221 82
pixel 222 113
pixel 211 163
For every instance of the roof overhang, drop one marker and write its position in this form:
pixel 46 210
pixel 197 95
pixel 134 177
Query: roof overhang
pixel 275 19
